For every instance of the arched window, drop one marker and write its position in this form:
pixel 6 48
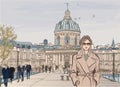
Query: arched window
pixel 75 41
pixel 67 25
pixel 67 40
pixel 58 40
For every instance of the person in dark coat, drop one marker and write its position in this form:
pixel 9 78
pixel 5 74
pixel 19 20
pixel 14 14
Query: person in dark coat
pixel 46 68
pixel 5 73
pixel 43 68
pixel 50 68
pixel 28 69
pixel 12 70
pixel 22 72
pixel 18 72
pixel 0 75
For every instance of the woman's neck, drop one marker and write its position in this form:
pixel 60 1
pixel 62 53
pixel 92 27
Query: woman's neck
pixel 86 52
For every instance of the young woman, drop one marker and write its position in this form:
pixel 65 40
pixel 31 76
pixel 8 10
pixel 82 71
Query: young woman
pixel 85 66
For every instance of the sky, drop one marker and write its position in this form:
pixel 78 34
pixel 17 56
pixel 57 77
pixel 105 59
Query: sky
pixel 35 20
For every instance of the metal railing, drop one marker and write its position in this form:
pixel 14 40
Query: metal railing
pixel 110 65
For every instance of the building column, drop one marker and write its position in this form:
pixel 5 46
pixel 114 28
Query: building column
pixel 46 59
pixel 70 60
pixel 63 59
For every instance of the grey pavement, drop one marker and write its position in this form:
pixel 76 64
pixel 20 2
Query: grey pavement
pixel 54 80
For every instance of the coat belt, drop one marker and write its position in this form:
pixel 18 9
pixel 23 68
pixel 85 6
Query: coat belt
pixel 89 75
pixel 86 74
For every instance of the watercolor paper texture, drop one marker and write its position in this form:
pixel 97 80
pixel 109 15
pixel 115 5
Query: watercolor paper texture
pixel 48 35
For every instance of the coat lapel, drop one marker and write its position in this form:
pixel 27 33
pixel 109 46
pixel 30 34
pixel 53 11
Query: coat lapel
pixel 86 64
pixel 82 62
pixel 91 61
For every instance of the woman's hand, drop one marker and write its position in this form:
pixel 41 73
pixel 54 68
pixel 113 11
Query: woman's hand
pixel 77 83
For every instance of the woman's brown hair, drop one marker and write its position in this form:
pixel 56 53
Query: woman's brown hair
pixel 85 37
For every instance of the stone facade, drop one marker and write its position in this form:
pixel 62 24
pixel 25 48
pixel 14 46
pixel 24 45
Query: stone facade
pixel 62 58
pixel 66 37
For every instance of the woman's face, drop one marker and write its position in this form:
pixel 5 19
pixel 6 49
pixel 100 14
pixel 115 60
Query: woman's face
pixel 86 45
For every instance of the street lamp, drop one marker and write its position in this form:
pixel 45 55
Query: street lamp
pixel 18 61
pixel 113 69
pixel 113 66
pixel 39 63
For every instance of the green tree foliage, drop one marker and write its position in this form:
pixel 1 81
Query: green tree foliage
pixel 7 37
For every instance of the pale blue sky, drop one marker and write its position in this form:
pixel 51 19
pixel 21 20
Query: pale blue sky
pixel 35 20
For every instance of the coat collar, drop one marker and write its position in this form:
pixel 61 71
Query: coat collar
pixel 80 54
pixel 85 65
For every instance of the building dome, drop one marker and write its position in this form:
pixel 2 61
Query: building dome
pixel 67 24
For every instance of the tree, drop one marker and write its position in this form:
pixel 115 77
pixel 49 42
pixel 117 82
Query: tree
pixel 7 38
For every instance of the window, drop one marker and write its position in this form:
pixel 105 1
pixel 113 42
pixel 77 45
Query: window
pixel 67 40
pixel 58 40
pixel 75 41
pixel 67 25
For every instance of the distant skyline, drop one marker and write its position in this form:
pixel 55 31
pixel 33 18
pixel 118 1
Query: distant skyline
pixel 35 20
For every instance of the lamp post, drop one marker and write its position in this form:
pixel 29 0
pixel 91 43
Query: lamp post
pixel 39 63
pixel 113 69
pixel 18 62
pixel 113 66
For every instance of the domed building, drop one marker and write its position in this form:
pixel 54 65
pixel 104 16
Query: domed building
pixel 67 32
pixel 66 37
pixel 66 42
pixel 59 56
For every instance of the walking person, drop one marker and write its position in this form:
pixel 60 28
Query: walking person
pixel 28 69
pixel 85 65
pixel 46 68
pixel 43 68
pixel 5 73
pixel 22 72
pixel 50 68
pixel 0 75
pixel 18 73
pixel 12 70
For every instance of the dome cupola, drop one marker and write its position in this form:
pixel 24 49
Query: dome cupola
pixel 67 24
pixel 67 14
pixel 67 32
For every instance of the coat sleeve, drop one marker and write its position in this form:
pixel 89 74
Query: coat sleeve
pixel 97 71
pixel 73 70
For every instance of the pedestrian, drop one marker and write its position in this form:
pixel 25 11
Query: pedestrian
pixel 50 68
pixel 18 72
pixel 5 73
pixel 28 69
pixel 22 72
pixel 0 75
pixel 12 70
pixel 46 68
pixel 85 65
pixel 43 68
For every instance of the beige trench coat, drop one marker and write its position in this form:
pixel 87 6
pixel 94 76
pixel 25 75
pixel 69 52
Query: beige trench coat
pixel 86 72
